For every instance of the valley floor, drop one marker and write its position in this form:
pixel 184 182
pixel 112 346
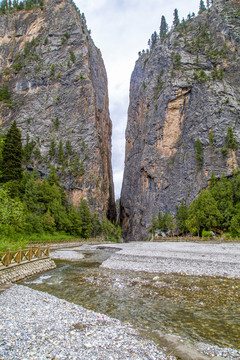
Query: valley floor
pixel 187 258
pixel 37 325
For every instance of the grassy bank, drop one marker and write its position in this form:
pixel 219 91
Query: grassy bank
pixel 14 241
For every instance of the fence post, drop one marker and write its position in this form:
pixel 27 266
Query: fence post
pixel 30 254
pixel 39 252
pixel 19 255
pixel 48 250
pixel 8 259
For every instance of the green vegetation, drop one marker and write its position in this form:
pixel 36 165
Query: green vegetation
pixel 211 138
pixel 17 5
pixel 198 153
pixel 176 59
pixel 216 209
pixel 176 21
pixel 230 141
pixel 31 206
pixel 4 94
pixel 12 155
pixel 200 76
pixel 72 56
pixel 163 28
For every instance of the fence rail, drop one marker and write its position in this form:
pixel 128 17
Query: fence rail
pixel 19 256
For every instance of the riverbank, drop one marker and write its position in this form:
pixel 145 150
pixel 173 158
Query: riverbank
pixel 186 258
pixel 199 259
pixel 35 325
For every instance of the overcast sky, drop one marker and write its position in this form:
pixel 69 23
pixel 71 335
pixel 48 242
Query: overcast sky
pixel 121 28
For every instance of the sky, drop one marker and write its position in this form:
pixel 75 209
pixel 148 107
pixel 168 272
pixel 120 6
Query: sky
pixel 120 29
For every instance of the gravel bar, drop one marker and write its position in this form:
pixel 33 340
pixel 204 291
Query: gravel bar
pixel 36 325
pixel 177 257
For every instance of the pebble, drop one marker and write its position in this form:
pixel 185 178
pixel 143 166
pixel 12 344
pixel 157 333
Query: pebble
pixel 36 325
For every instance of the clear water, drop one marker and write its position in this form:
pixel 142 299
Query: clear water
pixel 199 308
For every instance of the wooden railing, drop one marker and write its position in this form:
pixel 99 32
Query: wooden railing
pixel 19 256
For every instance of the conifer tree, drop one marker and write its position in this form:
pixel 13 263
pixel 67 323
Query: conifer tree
pixel 60 152
pixel 86 219
pixel 176 21
pixel 12 154
pixel 153 39
pixel 181 217
pixel 202 7
pixel 163 27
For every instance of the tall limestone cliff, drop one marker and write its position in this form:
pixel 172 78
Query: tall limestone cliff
pixel 183 116
pixel 57 93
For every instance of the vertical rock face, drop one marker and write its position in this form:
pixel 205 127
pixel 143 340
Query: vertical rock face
pixel 185 89
pixel 59 98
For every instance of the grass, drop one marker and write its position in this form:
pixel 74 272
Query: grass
pixel 16 240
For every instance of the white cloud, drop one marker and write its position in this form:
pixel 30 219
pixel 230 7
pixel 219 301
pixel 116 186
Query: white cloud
pixel 120 28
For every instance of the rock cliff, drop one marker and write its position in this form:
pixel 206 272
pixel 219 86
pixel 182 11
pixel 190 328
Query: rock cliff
pixel 57 93
pixel 183 117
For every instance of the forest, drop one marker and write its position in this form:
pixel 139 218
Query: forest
pixel 216 210
pixel 30 205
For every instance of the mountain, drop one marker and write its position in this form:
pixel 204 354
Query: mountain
pixel 54 85
pixel 183 117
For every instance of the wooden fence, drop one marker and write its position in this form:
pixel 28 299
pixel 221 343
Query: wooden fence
pixel 19 256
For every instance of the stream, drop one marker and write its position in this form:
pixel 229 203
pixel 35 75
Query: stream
pixel 197 308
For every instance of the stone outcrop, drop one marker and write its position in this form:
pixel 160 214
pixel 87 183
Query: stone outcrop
pixel 59 99
pixel 186 88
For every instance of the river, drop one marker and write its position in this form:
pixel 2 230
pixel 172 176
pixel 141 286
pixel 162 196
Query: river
pixel 205 309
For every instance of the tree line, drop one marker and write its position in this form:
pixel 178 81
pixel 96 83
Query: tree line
pixel 32 205
pixel 216 209
pixel 164 28
pixel 16 5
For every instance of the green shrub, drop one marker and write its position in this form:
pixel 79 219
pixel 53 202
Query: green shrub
pixel 207 234
pixel 72 56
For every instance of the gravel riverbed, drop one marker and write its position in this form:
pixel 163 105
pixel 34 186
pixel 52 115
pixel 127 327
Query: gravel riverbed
pixel 200 259
pixel 36 325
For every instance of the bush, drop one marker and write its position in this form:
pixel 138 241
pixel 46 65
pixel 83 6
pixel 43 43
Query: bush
pixel 207 234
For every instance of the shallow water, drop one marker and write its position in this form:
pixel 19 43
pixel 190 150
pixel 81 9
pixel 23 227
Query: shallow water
pixel 199 308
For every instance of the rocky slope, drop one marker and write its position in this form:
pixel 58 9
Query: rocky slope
pixel 184 100
pixel 59 99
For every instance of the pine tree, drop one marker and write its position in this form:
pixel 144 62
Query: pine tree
pixel 154 38
pixel 12 155
pixel 181 217
pixel 52 177
pixel 198 153
pixel 202 7
pixel 60 152
pixel 176 21
pixel 52 149
pixel 163 28
pixel 86 219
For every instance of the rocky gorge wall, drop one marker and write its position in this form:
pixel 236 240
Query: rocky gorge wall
pixel 58 96
pixel 184 91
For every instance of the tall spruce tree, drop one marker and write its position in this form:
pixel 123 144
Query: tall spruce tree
pixel 202 7
pixel 12 155
pixel 176 21
pixel 163 27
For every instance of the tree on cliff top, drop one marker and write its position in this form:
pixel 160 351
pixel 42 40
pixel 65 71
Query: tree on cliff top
pixel 163 27
pixel 12 154
pixel 176 21
pixel 202 7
